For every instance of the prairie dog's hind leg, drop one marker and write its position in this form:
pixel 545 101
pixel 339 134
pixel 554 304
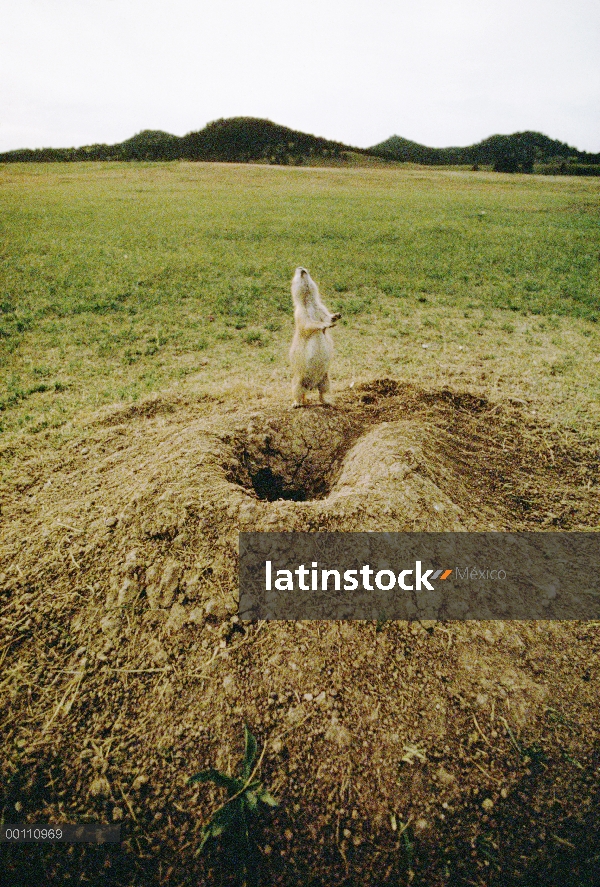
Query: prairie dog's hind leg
pixel 323 389
pixel 298 393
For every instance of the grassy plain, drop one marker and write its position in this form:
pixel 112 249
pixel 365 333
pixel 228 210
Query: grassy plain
pixel 119 280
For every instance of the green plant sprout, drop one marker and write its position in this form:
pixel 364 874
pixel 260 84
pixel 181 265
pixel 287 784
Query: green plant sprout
pixel 232 820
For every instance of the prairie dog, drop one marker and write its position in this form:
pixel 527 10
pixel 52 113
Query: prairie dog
pixel 312 345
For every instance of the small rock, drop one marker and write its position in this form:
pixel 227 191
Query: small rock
pixel 131 560
pixel 170 582
pixel 157 652
pixel 487 804
pixel 196 616
pixel 216 609
pixel 308 697
pixel 18 807
pixel 338 734
pixel 177 618
pixel 109 625
pixel 139 782
pixel 117 814
pixel 444 777
pixel 127 592
pixel 100 787
pixel 162 584
pixel 295 714
pixel 111 522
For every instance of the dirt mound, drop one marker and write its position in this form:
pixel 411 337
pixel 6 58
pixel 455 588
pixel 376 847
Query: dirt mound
pixel 119 595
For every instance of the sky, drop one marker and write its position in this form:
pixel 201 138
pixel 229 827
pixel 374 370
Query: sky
pixel 439 72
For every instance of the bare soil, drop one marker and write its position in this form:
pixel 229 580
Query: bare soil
pixel 424 753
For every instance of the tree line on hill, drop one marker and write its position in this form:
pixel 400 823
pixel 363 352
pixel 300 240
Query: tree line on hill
pixel 247 139
pixel 521 152
pixel 236 140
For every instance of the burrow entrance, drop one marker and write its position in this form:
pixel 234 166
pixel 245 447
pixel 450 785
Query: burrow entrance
pixel 271 487
pixel 295 456
pixel 534 476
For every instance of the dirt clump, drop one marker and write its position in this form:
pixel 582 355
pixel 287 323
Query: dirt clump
pixel 403 752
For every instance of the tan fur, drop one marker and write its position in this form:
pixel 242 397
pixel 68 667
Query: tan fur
pixel 312 345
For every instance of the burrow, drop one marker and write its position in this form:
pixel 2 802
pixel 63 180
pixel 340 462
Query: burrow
pixel 508 464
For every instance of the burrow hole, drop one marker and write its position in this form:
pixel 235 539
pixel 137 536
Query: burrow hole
pixel 297 463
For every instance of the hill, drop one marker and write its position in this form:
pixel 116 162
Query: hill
pixel 237 139
pixel 244 139
pixel 398 148
pixel 250 139
pixel 505 153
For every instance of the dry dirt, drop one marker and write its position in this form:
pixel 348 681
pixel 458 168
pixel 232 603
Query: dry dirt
pixel 456 753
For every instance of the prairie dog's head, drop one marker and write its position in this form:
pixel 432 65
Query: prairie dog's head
pixel 304 288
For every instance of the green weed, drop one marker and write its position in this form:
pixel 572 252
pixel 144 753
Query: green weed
pixel 231 823
pixel 255 337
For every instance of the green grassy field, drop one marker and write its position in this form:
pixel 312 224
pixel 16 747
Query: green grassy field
pixel 121 279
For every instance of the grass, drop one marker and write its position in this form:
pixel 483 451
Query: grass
pixel 122 279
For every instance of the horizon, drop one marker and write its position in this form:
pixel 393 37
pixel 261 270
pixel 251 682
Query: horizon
pixel 278 123
pixel 441 76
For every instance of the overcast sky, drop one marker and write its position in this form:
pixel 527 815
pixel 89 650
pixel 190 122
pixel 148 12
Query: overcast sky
pixel 439 72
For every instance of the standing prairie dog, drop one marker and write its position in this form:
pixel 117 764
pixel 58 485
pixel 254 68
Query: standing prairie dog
pixel 312 345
